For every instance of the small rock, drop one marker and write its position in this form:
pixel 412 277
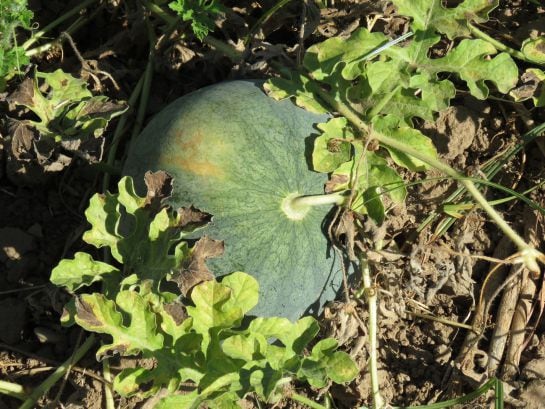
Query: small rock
pixel 15 243
pixel 535 369
pixel 534 394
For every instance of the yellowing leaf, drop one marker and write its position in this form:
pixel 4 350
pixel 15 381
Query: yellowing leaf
pixel 534 49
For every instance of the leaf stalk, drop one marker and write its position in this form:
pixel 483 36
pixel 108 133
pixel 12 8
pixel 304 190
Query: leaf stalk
pixel 306 401
pixel 371 296
pixel 296 207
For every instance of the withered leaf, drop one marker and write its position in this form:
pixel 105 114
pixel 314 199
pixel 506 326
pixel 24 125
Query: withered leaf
pixel 24 95
pixel 85 313
pixel 345 232
pixel 22 139
pixel 177 311
pixel 159 186
pixel 192 218
pixel 194 271
pixel 334 181
pixel 98 107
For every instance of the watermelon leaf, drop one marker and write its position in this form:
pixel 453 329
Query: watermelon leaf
pixel 147 247
pixel 452 21
pixel 354 76
pixel 201 341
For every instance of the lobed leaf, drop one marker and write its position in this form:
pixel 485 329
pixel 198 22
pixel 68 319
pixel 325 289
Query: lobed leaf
pixel 391 126
pixel 136 333
pixel 322 59
pixel 469 60
pixel 213 308
pixel 66 109
pixel 333 147
pixel 80 271
pixel 534 49
pixel 452 21
pixel 146 243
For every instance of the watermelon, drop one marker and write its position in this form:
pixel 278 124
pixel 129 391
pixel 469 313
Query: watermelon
pixel 237 154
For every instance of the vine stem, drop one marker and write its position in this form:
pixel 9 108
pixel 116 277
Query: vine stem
pixel 36 36
pixel 58 374
pixel 306 401
pixel 371 296
pixel 528 254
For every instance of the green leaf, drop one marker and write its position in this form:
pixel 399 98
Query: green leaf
pixel 127 382
pixel 244 291
pixel 391 126
pixel 295 86
pixel 14 14
pixel 327 363
pixel 265 381
pixel 132 335
pixel 534 49
pixel 341 368
pixel 241 347
pixel 369 177
pixel 11 61
pixel 103 215
pixel 332 148
pixel 141 240
pixel 190 400
pixel 469 61
pixel 80 271
pixel 321 59
pixel 373 204
pixel 213 308
pixel 452 21
pixel 201 14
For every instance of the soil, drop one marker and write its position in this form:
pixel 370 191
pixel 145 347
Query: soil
pixel 431 284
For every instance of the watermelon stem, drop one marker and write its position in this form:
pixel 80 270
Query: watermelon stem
pixel 296 206
pixel 371 294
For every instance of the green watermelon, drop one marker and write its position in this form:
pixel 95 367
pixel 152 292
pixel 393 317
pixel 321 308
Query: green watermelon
pixel 237 154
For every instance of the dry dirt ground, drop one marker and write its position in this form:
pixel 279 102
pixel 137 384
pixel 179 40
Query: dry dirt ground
pixel 430 284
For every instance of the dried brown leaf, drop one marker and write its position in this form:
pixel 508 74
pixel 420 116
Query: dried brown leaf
pixel 194 271
pixel 159 186
pixel 24 95
pixel 192 218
